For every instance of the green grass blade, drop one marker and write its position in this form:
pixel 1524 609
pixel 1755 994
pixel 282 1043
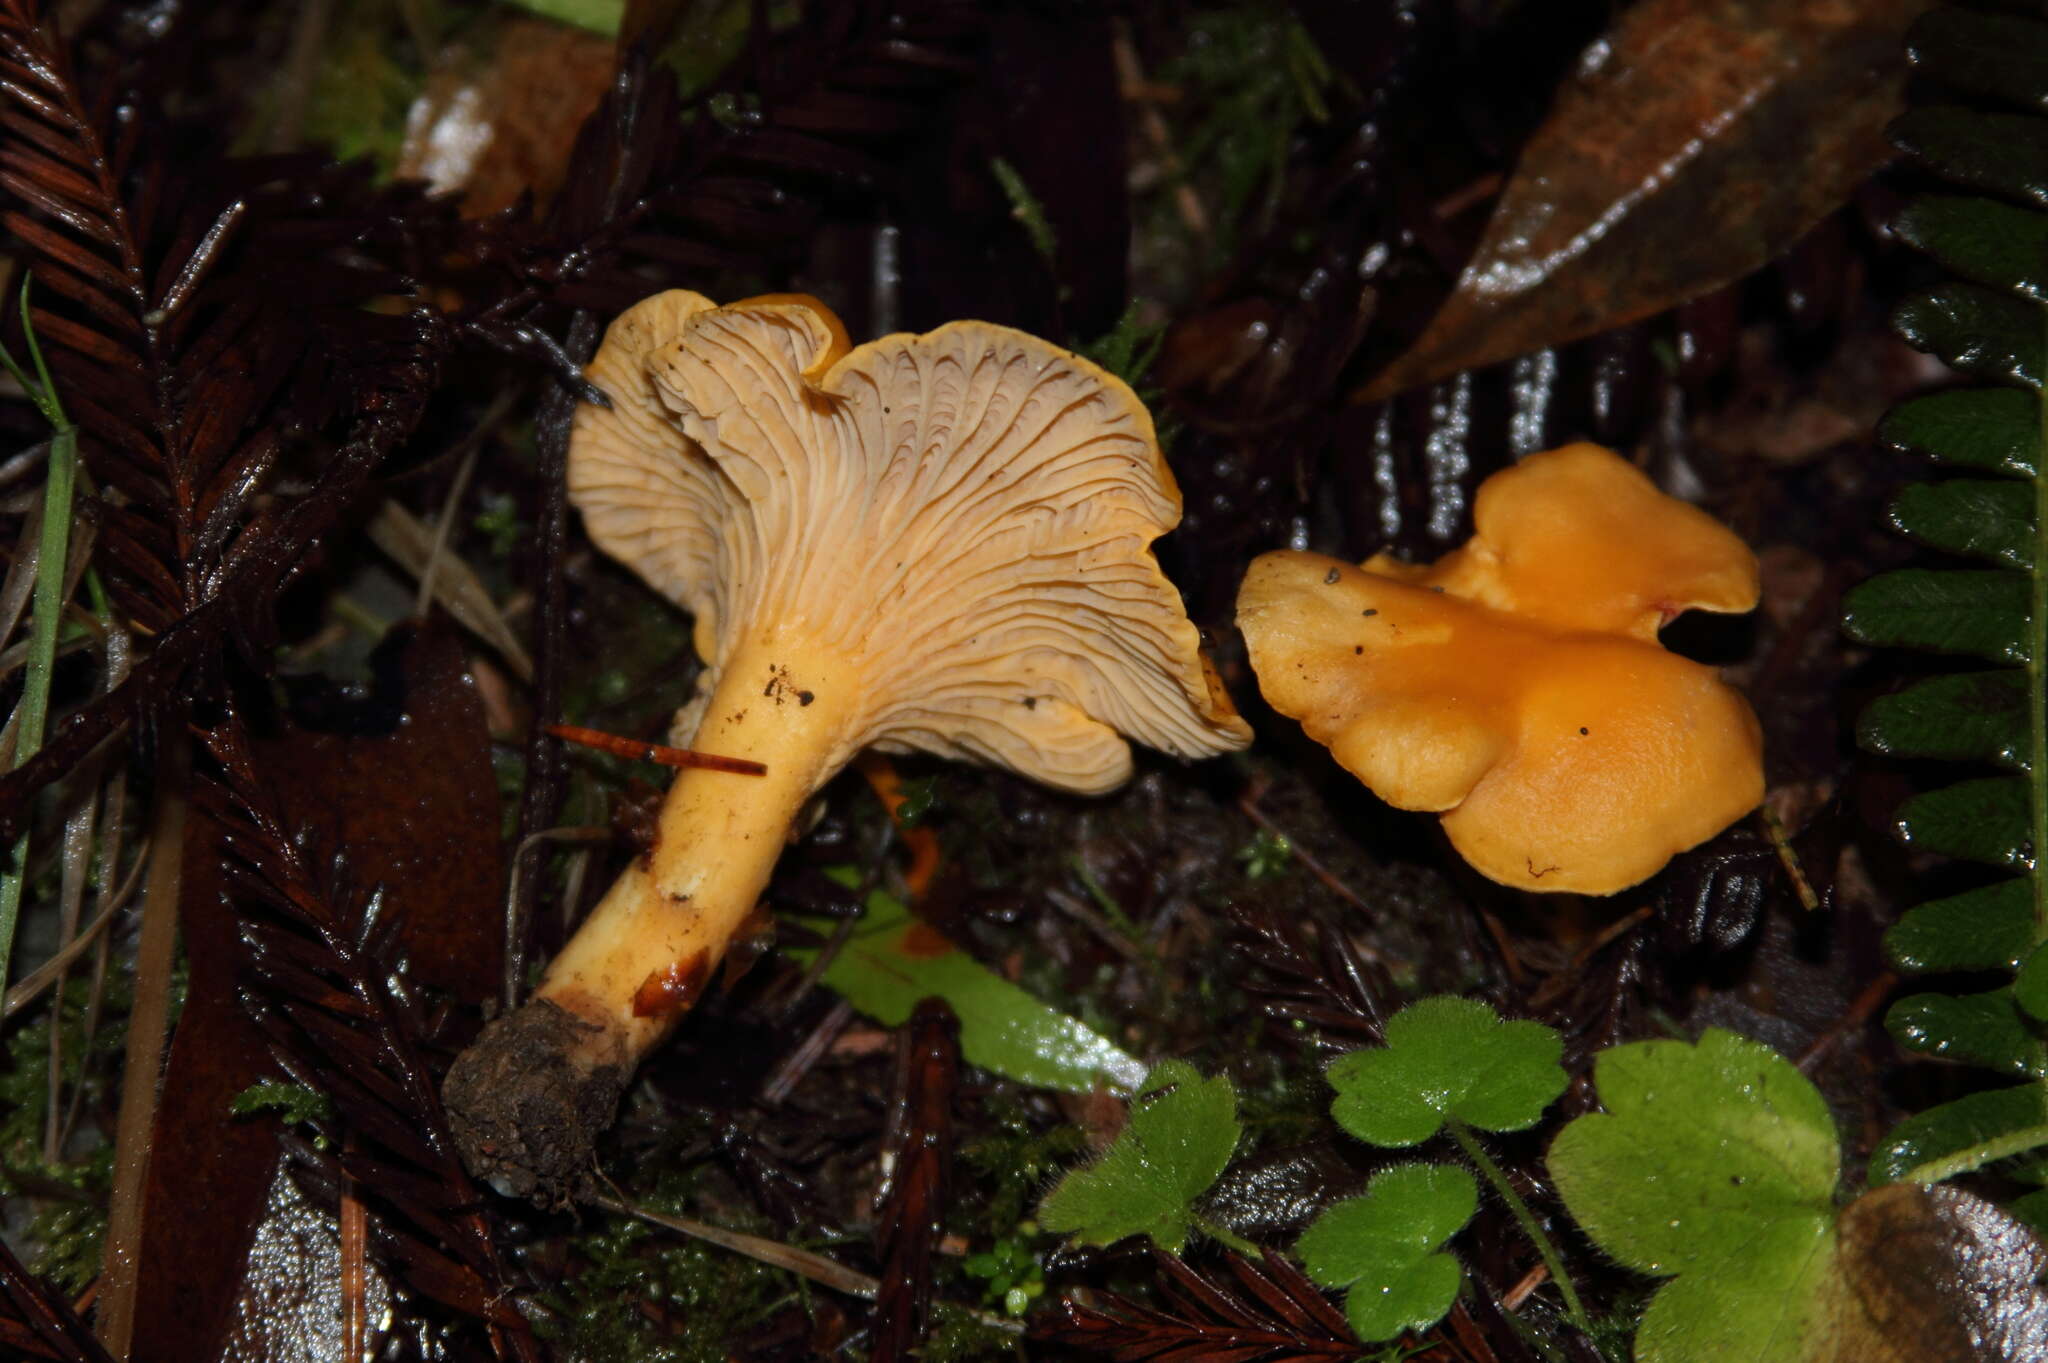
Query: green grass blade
pixel 51 554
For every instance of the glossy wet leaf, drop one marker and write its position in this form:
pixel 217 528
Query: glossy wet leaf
pixel 1678 116
pixel 2003 153
pixel 1980 331
pixel 1997 430
pixel 1714 1164
pixel 1180 1133
pixel 1384 1248
pixel 1971 717
pixel 893 959
pixel 2003 56
pixel 1983 820
pixel 1447 1057
pixel 1984 1029
pixel 1971 516
pixel 1961 1125
pixel 1964 611
pixel 1990 928
pixel 1984 240
pixel 1932 1273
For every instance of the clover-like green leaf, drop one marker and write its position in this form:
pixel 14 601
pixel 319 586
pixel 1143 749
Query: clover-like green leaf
pixel 1385 1248
pixel 1447 1057
pixel 1181 1132
pixel 1715 1163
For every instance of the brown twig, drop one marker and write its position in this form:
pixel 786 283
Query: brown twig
pixel 654 752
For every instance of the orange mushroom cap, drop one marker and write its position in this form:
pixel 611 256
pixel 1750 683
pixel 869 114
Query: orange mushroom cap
pixel 1516 685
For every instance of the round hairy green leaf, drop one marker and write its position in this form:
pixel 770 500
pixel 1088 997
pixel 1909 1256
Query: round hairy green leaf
pixel 1969 717
pixel 1990 928
pixel 1700 1149
pixel 1978 1029
pixel 1979 331
pixel 1447 1057
pixel 1962 1125
pixel 1982 239
pixel 1982 613
pixel 1181 1132
pixel 1997 430
pixel 1757 1306
pixel 1983 820
pixel 2004 153
pixel 2004 56
pixel 1384 1247
pixel 1972 515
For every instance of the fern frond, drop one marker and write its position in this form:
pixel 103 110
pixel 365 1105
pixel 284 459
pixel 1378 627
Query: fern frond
pixel 1991 324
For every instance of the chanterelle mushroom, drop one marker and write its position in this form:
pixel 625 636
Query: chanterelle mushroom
pixel 1517 685
pixel 932 543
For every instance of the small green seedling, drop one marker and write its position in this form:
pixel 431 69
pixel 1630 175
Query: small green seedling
pixel 1265 856
pixel 1715 1166
pixel 1452 1064
pixel 1181 1132
pixel 1385 1248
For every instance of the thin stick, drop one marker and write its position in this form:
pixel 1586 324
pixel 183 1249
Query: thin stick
pixel 147 1024
pixel 355 1236
pixel 25 990
pixel 515 920
pixel 655 752
pixel 826 1272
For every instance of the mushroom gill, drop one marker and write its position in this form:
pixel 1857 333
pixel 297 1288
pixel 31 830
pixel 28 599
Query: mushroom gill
pixel 933 543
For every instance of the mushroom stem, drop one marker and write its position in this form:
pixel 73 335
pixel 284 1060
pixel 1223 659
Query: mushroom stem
pixel 641 958
pixel 529 1098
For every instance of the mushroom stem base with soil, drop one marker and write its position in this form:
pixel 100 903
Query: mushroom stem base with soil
pixel 528 1100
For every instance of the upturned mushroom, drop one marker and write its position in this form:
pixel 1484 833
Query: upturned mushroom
pixel 933 543
pixel 1516 685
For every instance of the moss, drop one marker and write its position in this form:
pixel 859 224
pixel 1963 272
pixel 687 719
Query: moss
pixel 959 1336
pixel 1013 1163
pixel 643 1295
pixel 66 1233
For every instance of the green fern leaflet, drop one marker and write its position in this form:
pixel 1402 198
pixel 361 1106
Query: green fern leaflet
pixel 1992 324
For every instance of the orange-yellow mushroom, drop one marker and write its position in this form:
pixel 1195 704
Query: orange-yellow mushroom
pixel 1516 686
pixel 936 544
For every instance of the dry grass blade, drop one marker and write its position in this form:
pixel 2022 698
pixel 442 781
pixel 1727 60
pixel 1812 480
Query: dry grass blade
pixel 418 549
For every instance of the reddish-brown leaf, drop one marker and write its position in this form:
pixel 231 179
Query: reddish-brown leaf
pixel 1665 170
